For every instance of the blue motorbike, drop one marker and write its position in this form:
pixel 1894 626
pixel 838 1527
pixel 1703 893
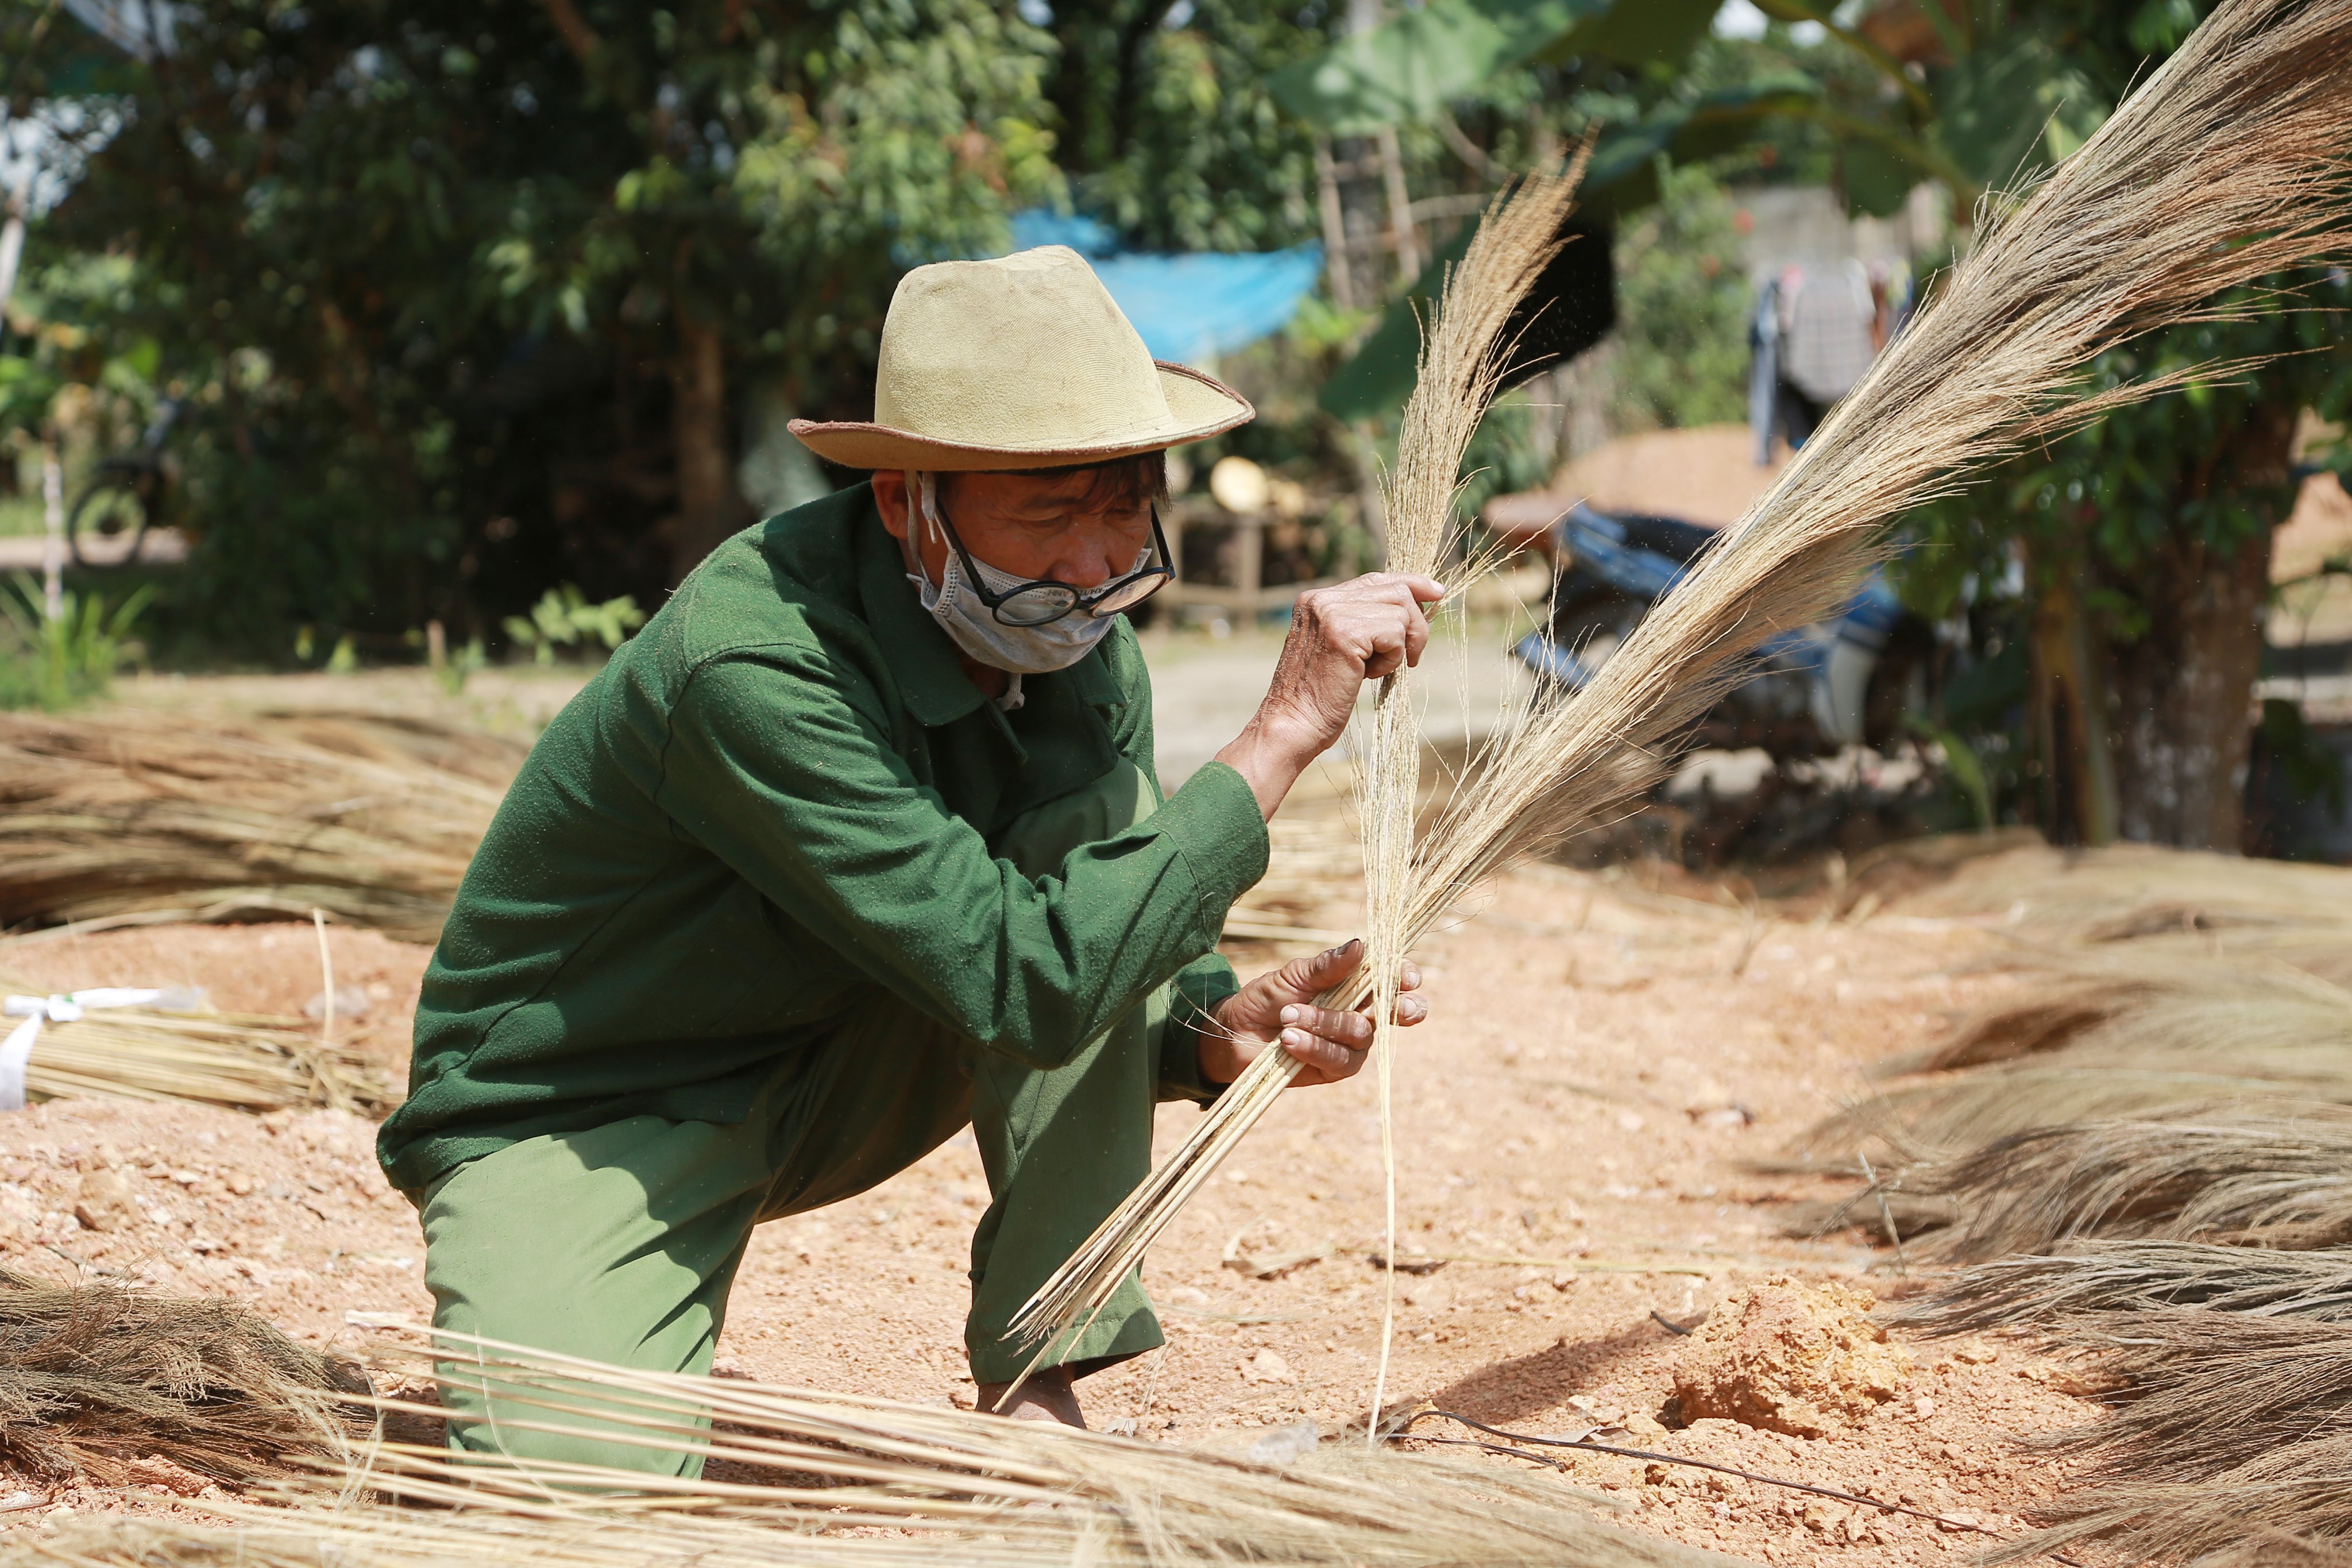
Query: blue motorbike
pixel 1811 692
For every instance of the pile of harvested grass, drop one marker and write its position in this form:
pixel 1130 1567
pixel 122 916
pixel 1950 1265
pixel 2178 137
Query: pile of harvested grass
pixel 2224 1425
pixel 829 1466
pixel 803 1477
pixel 2102 1037
pixel 93 1378
pixel 243 1061
pixel 149 816
pixel 2129 892
pixel 2115 1276
pixel 2258 1173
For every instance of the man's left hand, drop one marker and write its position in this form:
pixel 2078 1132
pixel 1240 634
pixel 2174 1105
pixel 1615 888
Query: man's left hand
pixel 1279 1008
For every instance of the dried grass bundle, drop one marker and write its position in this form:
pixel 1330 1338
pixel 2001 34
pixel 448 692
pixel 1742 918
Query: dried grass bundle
pixel 2137 892
pixel 559 1529
pixel 240 1060
pixel 2112 1276
pixel 2273 1174
pixel 146 814
pixel 2225 1424
pixel 93 1378
pixel 804 1477
pixel 1462 360
pixel 2138 1046
pixel 2224 166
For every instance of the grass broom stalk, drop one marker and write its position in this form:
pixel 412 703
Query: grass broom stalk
pixel 1462 356
pixel 2227 166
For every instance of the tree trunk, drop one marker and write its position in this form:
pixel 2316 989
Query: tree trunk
pixel 708 508
pixel 2185 689
pixel 2070 714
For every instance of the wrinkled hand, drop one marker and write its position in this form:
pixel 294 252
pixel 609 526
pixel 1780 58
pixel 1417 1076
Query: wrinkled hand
pixel 1280 1008
pixel 1340 637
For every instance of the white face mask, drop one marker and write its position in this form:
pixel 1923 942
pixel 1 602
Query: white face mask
pixel 1022 650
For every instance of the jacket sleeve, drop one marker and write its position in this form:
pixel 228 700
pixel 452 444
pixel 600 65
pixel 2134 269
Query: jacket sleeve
pixel 1203 985
pixel 778 761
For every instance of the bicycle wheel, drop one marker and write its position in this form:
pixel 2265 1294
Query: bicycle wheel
pixel 109 508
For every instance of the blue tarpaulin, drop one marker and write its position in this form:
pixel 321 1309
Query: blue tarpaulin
pixel 1190 307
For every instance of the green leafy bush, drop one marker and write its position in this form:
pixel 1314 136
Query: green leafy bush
pixel 563 616
pixel 59 662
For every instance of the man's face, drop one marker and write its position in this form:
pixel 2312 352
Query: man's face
pixel 1028 525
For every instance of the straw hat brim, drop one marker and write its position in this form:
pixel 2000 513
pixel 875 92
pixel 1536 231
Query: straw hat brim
pixel 1199 406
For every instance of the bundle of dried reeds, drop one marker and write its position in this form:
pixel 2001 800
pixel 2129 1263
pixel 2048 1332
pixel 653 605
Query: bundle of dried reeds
pixel 798 1476
pixel 2105 1039
pixel 2260 1172
pixel 2110 1277
pixel 553 1526
pixel 169 1051
pixel 1462 358
pixel 2225 1424
pixel 93 1378
pixel 145 814
pixel 2137 892
pixel 2226 165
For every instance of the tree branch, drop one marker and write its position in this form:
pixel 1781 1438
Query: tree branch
pixel 578 35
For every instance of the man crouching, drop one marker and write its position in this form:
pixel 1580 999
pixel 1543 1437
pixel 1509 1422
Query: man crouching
pixel 858 843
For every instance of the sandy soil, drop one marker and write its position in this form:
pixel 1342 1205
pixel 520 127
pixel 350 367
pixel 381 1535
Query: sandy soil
pixel 1571 1127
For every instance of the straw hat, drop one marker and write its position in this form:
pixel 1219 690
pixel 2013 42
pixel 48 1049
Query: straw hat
pixel 1024 362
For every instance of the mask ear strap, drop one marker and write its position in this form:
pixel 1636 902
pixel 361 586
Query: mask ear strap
pixel 929 484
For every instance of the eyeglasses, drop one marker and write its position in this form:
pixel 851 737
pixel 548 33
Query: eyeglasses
pixel 1045 601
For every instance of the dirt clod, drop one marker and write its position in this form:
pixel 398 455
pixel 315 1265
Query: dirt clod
pixel 1789 1357
pixel 105 1201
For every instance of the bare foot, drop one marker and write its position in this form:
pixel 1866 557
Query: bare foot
pixel 1047 1396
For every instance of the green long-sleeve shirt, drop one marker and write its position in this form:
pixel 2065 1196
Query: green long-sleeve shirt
pixel 775 800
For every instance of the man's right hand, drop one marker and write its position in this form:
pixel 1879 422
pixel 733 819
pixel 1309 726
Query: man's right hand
pixel 1340 637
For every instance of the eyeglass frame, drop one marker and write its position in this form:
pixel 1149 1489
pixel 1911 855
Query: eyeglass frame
pixel 1081 598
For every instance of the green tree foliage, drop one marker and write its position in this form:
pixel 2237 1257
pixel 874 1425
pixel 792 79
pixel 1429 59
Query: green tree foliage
pixel 1682 304
pixel 1166 127
pixel 460 294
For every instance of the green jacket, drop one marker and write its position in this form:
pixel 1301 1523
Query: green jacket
pixel 776 802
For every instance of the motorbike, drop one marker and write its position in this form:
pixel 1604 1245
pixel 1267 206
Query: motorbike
pixel 1811 692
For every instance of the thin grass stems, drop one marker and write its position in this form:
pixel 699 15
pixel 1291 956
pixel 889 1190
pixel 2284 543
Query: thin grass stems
pixel 918 1482
pixel 1463 357
pixel 2110 1277
pixel 162 1054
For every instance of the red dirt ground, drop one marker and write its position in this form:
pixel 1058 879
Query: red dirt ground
pixel 1573 1128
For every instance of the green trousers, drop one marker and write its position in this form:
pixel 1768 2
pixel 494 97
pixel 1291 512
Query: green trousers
pixel 618 1244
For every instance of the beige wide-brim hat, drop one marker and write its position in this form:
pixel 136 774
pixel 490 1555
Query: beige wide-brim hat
pixel 1023 362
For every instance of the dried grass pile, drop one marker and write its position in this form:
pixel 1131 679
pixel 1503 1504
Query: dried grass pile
pixel 94 1378
pixel 2225 165
pixel 241 1062
pixel 2099 1039
pixel 798 1476
pixel 2145 1151
pixel 2226 1427
pixel 150 815
pixel 2095 1278
pixel 2136 891
pixel 2251 1172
